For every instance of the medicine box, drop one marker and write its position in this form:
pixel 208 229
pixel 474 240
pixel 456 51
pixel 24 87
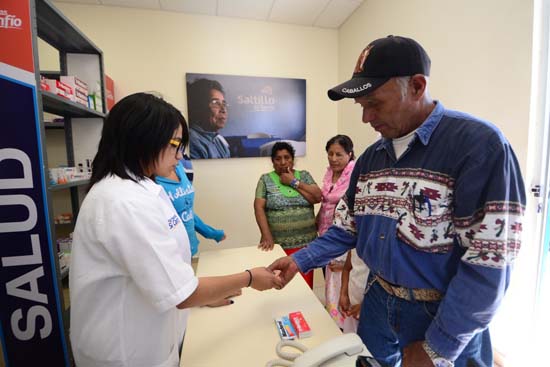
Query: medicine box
pixel 79 87
pixel 60 88
pixel 43 85
pixel 300 324
pixel 285 329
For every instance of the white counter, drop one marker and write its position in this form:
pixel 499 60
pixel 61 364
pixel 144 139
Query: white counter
pixel 244 334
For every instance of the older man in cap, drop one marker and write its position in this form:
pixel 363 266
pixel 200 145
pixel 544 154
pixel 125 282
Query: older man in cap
pixel 434 208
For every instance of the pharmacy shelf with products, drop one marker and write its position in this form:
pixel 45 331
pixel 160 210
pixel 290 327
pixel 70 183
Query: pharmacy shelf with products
pixel 70 78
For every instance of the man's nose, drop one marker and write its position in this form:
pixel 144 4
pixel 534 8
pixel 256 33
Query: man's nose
pixel 368 114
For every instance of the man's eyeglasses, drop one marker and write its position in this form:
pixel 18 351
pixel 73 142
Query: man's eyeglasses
pixel 177 144
pixel 216 103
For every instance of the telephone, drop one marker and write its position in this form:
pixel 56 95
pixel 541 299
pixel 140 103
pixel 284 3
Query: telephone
pixel 341 351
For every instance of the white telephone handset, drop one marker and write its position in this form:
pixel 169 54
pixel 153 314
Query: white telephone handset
pixel 347 344
pixel 340 351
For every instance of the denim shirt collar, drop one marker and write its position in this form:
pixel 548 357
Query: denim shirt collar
pixel 424 132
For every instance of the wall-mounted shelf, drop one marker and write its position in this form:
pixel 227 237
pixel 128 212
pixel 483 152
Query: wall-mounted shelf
pixel 54 125
pixel 62 106
pixel 68 185
pixel 60 32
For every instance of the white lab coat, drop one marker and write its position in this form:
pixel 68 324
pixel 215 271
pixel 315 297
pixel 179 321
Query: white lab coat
pixel 131 266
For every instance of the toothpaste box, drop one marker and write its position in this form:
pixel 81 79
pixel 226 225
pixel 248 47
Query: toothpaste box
pixel 285 329
pixel 300 324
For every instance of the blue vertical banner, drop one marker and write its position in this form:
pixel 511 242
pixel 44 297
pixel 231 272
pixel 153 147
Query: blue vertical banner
pixel 31 328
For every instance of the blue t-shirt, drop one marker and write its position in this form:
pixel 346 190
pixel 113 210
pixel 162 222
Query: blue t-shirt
pixel 182 195
pixel 187 167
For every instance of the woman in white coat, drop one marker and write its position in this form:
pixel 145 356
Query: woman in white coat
pixel 131 276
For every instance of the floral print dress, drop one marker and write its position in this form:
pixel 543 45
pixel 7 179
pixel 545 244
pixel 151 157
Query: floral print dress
pixel 331 194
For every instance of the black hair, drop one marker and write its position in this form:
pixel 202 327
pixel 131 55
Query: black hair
pixel 344 141
pixel 282 145
pixel 135 132
pixel 198 98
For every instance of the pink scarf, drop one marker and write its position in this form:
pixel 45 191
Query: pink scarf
pixel 331 194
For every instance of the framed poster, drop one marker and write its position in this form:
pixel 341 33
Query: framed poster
pixel 242 116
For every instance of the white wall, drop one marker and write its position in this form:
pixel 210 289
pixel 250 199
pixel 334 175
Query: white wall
pixel 152 50
pixel 480 52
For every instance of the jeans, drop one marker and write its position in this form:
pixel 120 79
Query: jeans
pixel 388 324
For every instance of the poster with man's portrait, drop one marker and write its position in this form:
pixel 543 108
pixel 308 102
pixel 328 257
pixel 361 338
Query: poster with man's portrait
pixel 241 116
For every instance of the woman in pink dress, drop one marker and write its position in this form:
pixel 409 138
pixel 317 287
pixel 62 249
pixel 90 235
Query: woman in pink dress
pixel 335 183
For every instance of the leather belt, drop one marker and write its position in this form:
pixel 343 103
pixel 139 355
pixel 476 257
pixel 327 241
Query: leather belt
pixel 410 294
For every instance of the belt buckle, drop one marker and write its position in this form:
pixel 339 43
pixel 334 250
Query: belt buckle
pixel 412 294
pixel 402 292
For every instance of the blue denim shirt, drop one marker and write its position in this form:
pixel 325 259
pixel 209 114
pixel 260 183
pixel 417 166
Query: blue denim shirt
pixel 446 215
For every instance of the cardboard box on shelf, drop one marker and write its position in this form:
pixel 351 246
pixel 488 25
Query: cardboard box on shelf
pixel 43 84
pixel 60 88
pixel 79 87
pixel 74 82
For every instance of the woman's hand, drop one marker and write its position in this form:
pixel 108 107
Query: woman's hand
pixel 266 243
pixel 264 279
pixel 344 303
pixel 285 267
pixel 287 177
pixel 225 301
pixel 354 311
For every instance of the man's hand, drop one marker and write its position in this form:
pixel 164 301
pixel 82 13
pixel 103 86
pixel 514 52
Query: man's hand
pixel 286 267
pixel 414 355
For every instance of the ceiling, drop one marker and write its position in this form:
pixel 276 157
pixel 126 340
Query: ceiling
pixel 313 13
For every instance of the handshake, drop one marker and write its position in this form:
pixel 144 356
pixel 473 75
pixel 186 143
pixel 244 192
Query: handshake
pixel 277 275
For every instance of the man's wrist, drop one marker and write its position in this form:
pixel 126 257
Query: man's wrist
pixel 437 360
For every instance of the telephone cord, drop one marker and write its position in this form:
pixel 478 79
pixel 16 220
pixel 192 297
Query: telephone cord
pixel 287 357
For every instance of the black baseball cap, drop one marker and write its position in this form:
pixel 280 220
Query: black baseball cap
pixel 381 60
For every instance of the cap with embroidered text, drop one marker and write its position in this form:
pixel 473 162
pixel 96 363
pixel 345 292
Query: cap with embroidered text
pixel 382 59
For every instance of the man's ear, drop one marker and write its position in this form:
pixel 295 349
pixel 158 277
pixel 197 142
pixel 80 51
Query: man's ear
pixel 418 85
